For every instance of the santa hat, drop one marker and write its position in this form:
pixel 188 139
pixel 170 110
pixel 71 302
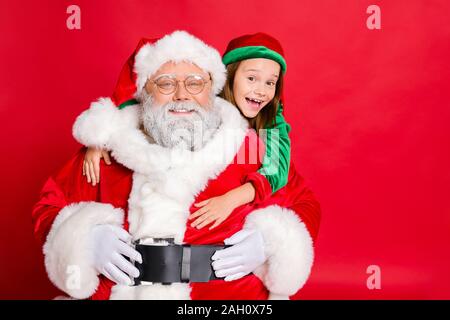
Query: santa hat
pixel 151 54
pixel 126 84
pixel 258 45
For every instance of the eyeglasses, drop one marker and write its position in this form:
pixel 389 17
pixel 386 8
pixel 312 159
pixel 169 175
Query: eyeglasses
pixel 167 84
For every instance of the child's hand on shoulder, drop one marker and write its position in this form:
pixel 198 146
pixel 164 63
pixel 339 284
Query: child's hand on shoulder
pixel 91 164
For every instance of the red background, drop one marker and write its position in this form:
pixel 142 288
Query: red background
pixel 369 111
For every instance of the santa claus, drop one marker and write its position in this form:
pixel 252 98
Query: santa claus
pixel 169 152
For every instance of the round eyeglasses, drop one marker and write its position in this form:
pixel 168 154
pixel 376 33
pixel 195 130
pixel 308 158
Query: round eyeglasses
pixel 194 84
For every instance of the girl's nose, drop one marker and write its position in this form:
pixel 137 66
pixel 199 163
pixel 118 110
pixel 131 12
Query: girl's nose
pixel 259 91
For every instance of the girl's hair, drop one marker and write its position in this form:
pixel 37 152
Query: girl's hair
pixel 265 117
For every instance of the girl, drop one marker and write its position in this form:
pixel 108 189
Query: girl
pixel 255 67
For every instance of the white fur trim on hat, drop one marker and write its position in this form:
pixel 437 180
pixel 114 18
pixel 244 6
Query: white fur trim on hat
pixel 289 250
pixel 179 46
pixel 67 252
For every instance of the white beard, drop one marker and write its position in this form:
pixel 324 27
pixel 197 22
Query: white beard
pixel 190 132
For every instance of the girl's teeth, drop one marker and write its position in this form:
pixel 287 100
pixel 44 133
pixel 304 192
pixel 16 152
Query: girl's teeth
pixel 253 100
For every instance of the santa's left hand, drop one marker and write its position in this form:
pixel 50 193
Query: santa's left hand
pixel 246 254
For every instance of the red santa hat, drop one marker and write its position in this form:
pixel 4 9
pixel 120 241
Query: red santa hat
pixel 151 54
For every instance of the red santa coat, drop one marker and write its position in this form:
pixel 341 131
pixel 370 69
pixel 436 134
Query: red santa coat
pixel 152 197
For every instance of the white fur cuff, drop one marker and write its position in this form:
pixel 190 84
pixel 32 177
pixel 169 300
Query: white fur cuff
pixel 289 250
pixel 67 252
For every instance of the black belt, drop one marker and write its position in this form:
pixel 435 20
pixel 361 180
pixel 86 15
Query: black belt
pixel 176 263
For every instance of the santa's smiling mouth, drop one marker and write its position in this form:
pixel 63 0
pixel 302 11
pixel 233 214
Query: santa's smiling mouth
pixel 181 112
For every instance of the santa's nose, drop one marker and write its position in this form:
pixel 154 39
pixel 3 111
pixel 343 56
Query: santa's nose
pixel 181 94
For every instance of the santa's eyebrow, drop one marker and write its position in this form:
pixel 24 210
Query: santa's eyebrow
pixel 174 75
pixel 194 74
pixel 170 75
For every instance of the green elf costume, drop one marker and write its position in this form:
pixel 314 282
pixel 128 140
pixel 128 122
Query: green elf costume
pixel 276 162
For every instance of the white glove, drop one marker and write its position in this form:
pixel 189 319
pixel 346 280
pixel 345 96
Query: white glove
pixel 108 246
pixel 246 254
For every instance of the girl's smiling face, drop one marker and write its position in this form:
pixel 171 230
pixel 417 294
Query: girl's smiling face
pixel 254 84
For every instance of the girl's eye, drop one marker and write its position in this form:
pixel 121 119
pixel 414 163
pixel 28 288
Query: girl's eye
pixel 271 83
pixel 251 78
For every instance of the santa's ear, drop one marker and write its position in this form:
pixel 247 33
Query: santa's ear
pixel 146 92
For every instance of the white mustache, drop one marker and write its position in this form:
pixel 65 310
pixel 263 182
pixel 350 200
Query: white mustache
pixel 171 130
pixel 183 106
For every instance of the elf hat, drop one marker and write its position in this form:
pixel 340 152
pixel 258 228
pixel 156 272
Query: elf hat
pixel 151 54
pixel 258 45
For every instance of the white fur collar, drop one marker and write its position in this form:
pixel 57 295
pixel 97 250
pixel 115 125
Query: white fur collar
pixel 105 126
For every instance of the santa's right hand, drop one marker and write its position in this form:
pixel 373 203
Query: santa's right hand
pixel 109 246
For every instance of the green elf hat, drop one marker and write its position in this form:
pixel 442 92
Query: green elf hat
pixel 258 45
